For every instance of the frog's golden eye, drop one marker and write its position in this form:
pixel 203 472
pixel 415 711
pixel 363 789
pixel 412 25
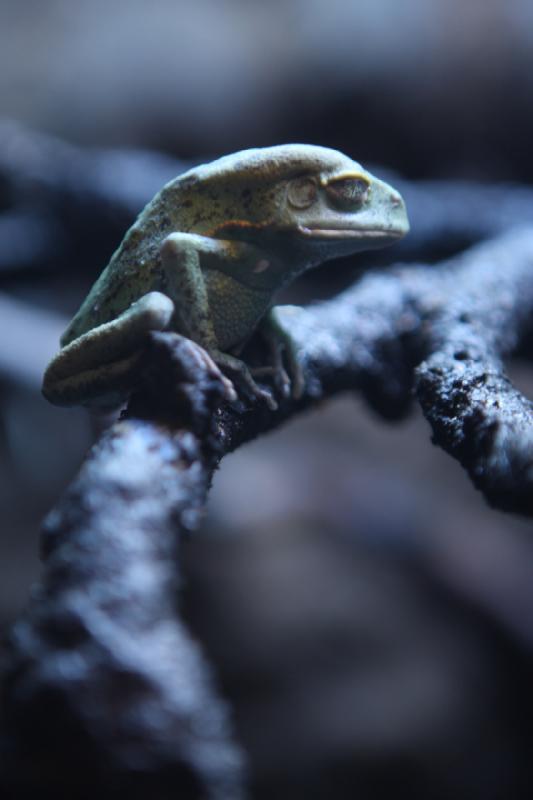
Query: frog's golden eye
pixel 349 193
pixel 302 192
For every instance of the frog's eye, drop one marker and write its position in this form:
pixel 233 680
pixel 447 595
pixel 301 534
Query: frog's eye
pixel 302 192
pixel 349 193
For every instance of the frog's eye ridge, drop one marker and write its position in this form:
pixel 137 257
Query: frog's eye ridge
pixel 302 192
pixel 349 193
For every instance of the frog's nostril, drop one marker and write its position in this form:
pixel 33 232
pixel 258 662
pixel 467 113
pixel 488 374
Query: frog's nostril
pixel 395 200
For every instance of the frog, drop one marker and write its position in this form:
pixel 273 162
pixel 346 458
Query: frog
pixel 206 258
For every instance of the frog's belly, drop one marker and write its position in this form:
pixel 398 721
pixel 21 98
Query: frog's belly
pixel 234 309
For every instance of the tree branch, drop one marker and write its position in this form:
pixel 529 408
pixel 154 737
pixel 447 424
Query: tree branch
pixel 102 678
pixel 104 690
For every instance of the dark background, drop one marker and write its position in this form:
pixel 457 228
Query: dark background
pixel 369 616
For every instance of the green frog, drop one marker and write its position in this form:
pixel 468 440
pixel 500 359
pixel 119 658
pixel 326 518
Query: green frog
pixel 206 257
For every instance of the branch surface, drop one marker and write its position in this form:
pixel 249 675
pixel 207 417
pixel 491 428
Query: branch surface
pixel 104 688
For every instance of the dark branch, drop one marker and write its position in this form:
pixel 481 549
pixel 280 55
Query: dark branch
pixel 443 331
pixel 101 657
pixel 104 689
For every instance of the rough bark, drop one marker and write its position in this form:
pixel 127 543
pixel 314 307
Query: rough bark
pixel 104 690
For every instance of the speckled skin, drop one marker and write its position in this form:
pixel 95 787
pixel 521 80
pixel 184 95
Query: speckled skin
pixel 207 254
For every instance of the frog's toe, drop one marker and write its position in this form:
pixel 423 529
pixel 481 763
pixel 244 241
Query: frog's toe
pixel 281 376
pixel 278 374
pixel 298 378
pixel 263 394
pixel 212 365
pixel 244 377
pixel 229 389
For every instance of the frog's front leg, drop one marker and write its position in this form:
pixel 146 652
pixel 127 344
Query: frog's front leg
pixel 181 256
pixel 100 366
pixel 280 343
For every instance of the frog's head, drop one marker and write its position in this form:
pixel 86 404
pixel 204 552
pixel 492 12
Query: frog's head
pixel 313 201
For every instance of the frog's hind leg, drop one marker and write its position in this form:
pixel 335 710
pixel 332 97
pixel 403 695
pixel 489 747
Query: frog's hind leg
pixel 99 367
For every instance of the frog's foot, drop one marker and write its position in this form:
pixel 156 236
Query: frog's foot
pixel 281 343
pixel 212 360
pixel 276 371
pixel 244 376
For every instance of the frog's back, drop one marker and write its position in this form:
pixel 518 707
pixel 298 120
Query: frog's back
pixel 196 201
pixel 134 268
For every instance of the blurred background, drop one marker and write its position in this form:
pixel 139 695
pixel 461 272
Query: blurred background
pixel 369 617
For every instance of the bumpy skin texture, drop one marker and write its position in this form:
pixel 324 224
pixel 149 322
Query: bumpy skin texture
pixel 206 257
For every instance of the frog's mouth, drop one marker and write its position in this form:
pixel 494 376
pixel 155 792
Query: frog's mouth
pixel 350 233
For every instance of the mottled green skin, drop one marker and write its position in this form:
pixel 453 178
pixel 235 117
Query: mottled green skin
pixel 247 239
